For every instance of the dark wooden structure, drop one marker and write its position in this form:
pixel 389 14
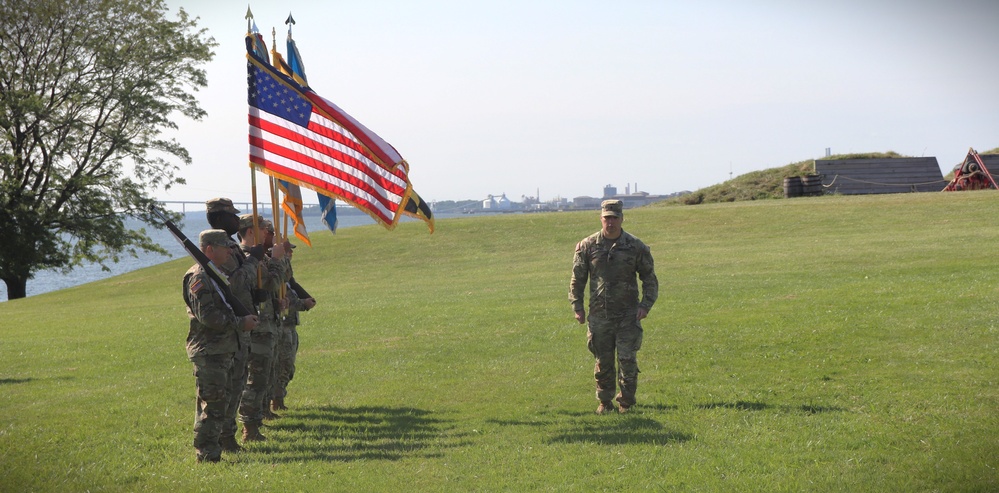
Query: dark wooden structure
pixel 991 162
pixel 887 175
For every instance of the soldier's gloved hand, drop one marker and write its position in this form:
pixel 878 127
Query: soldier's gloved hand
pixel 260 295
pixel 257 252
pixel 309 303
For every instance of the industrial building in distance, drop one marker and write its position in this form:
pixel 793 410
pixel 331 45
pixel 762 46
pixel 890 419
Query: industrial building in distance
pixel 631 198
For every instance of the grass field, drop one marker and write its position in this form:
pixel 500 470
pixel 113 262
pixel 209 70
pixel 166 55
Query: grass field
pixel 813 344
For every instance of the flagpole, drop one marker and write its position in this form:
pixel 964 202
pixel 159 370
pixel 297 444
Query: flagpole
pixel 253 187
pixel 284 226
pixel 276 214
pixel 250 29
pixel 256 239
pixel 273 183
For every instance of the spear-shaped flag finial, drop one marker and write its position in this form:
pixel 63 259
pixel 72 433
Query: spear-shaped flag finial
pixel 289 21
pixel 249 18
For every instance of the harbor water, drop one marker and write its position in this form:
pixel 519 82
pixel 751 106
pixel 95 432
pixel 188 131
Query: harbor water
pixel 194 222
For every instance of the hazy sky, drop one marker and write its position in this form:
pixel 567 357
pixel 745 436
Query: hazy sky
pixel 563 97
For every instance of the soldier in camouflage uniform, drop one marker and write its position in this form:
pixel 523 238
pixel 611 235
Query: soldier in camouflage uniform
pixel 263 338
pixel 280 293
pixel 298 300
pixel 211 342
pixel 610 260
pixel 221 214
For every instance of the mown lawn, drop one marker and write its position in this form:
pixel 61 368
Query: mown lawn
pixel 812 344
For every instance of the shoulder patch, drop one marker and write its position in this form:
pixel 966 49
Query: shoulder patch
pixel 196 286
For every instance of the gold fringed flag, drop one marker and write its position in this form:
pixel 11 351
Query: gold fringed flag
pixel 416 207
pixel 297 136
pixel 292 206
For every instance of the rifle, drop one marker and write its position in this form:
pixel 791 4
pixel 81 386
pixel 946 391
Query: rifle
pixel 213 272
pixel 299 290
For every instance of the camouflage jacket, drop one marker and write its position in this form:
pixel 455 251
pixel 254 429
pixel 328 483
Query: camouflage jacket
pixel 272 276
pixel 214 326
pixel 295 302
pixel 611 267
pixel 242 272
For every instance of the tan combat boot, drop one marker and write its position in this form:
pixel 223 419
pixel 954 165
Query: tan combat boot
pixel 624 403
pixel 606 407
pixel 278 404
pixel 229 444
pixel 251 433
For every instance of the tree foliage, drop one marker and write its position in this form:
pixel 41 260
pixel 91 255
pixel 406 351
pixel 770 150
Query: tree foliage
pixel 87 89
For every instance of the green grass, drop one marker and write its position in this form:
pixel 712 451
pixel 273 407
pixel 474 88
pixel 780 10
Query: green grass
pixel 824 344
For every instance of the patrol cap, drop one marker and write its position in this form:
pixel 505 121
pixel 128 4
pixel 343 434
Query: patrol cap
pixel 268 225
pixel 214 237
pixel 246 221
pixel 220 205
pixel 611 208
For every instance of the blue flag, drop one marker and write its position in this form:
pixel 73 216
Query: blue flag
pixel 328 206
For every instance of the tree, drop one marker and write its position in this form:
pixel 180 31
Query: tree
pixel 87 88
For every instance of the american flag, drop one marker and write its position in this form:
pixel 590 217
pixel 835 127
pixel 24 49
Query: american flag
pixel 298 136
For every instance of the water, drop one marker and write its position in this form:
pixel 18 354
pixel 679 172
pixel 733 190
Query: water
pixel 194 222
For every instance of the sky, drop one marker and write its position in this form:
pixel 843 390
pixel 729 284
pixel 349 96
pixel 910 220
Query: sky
pixel 558 98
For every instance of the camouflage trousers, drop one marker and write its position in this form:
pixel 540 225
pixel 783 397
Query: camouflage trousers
pixel 272 377
pixel 259 366
pixel 284 369
pixel 615 338
pixel 211 375
pixel 237 382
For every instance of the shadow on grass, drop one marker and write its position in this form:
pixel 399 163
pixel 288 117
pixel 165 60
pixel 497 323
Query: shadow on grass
pixel 819 409
pixel 619 430
pixel 339 434
pixel 587 427
pixel 12 381
pixel 740 405
pixel 5 381
pixel 655 406
pixel 760 406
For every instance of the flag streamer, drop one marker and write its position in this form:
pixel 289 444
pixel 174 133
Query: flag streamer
pixel 293 206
